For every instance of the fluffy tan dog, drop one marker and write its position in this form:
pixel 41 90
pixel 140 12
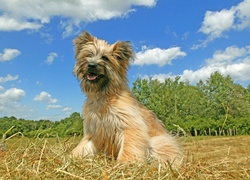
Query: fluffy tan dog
pixel 114 121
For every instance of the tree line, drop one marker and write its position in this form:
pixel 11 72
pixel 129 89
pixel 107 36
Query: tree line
pixel 215 104
pixel 69 126
pixel 212 106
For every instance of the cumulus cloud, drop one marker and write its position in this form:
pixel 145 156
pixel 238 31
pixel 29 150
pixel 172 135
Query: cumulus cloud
pixel 216 23
pixel 8 54
pixel 242 15
pixel 11 96
pixel 51 57
pixel 9 77
pixel 10 100
pixel 238 72
pixel 12 24
pixel 11 103
pixel 158 56
pixel 1 88
pixel 228 55
pixel 233 61
pixel 45 97
pixel 33 14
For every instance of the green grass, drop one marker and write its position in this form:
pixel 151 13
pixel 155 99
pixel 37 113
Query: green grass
pixel 205 158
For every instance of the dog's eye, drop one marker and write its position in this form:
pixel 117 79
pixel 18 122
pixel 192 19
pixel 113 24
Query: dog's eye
pixel 105 58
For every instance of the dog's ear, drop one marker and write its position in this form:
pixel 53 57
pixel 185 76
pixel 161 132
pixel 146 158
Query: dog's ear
pixel 81 40
pixel 123 51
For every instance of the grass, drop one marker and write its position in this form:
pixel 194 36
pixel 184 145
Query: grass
pixel 205 158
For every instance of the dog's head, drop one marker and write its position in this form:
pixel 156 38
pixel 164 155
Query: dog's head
pixel 101 66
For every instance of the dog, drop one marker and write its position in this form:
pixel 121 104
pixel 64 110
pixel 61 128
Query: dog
pixel 115 123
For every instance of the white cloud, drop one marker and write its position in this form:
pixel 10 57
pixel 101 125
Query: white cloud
pixel 32 14
pixel 9 54
pixel 44 97
pixel 10 102
pixel 158 56
pixel 216 23
pixel 159 77
pixel 9 77
pixel 12 24
pixel 51 57
pixel 66 109
pixel 1 88
pixel 53 106
pixel 12 95
pixel 232 61
pixel 70 27
pixel 228 55
pixel 242 14
pixel 238 72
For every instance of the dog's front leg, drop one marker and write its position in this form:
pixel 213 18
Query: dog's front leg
pixel 85 147
pixel 134 145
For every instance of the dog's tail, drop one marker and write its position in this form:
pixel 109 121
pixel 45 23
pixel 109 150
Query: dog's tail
pixel 166 150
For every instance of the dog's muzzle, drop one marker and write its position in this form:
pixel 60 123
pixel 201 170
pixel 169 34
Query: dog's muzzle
pixel 93 72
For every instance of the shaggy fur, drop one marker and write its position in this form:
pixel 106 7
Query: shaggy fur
pixel 114 121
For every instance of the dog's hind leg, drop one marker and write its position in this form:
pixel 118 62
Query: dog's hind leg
pixel 85 147
pixel 134 145
pixel 165 149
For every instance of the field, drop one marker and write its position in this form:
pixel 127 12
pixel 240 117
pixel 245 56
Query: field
pixel 205 158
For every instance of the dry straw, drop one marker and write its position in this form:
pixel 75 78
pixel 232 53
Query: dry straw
pixel 48 158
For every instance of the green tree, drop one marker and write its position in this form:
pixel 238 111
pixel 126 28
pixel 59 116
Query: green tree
pixel 69 126
pixel 214 104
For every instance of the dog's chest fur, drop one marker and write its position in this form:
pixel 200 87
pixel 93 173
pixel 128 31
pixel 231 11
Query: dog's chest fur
pixel 105 121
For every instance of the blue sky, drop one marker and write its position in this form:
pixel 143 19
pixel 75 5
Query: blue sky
pixel 188 38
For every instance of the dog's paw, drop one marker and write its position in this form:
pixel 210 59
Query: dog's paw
pixel 77 152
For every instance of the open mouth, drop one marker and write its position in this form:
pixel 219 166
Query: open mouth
pixel 93 76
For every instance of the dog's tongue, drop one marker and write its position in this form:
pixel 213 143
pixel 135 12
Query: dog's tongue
pixel 92 77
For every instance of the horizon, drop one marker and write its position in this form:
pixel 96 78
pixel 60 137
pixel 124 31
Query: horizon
pixel 191 39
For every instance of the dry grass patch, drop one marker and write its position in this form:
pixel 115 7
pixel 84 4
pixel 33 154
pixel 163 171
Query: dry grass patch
pixel 206 158
pixel 218 157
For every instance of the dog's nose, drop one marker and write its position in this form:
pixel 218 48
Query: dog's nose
pixel 92 65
